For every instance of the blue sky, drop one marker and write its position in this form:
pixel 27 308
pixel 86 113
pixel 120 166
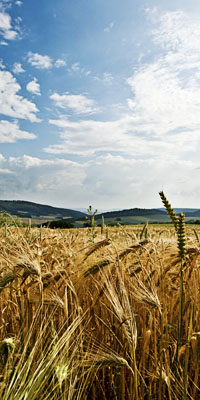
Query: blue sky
pixel 100 102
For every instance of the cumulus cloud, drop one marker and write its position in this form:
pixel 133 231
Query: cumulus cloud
pixel 44 61
pixel 165 102
pixel 5 171
pixel 33 87
pixel 3 43
pixel 11 103
pixel 2 66
pixel 87 137
pixel 129 182
pixel 166 91
pixel 3 163
pixel 6 29
pixel 29 162
pixel 32 178
pixel 75 67
pixel 174 29
pixel 60 63
pixel 17 68
pixel 39 61
pixel 78 103
pixel 106 181
pixel 19 3
pixel 10 132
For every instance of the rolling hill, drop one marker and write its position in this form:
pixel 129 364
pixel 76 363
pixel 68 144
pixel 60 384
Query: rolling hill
pixel 26 209
pixel 40 213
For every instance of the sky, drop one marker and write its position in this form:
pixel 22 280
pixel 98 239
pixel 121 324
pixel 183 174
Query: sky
pixel 100 102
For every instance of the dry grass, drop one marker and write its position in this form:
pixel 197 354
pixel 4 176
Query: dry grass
pixel 82 320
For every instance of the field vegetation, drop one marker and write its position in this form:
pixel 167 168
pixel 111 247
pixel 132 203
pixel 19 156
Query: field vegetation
pixel 100 313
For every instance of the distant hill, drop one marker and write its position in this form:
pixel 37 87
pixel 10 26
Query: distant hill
pixel 27 209
pixel 186 211
pixel 132 212
pixel 189 212
pixel 40 213
pixel 193 214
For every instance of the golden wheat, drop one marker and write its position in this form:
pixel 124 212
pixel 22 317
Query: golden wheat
pixel 100 320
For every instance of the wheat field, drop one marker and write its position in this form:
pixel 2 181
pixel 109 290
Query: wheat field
pixel 91 315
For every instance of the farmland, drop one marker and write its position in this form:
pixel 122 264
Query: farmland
pixel 87 314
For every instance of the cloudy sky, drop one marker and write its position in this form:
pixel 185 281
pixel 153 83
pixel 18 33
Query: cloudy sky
pixel 100 102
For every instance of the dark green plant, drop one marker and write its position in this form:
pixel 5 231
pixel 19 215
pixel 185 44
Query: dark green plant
pixel 114 223
pixel 56 224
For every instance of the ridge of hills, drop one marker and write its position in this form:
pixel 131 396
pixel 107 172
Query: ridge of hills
pixel 27 209
pixel 132 212
pixel 186 211
pixel 41 213
pixel 189 212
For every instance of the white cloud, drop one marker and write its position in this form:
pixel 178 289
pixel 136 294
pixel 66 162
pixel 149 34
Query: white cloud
pixel 5 171
pixel 39 61
pixel 106 181
pixel 10 132
pixel 3 43
pixel 152 145
pixel 164 108
pixel 75 67
pixel 167 91
pixel 174 29
pixel 2 158
pixel 109 27
pixel 17 68
pixel 35 162
pixel 121 182
pixel 18 3
pixel 60 63
pixel 5 21
pixel 2 66
pixel 12 104
pixel 86 137
pixel 6 29
pixel 42 180
pixel 107 77
pixel 33 87
pixel 78 103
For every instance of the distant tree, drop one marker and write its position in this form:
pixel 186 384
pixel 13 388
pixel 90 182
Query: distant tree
pixel 58 224
pixel 114 223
